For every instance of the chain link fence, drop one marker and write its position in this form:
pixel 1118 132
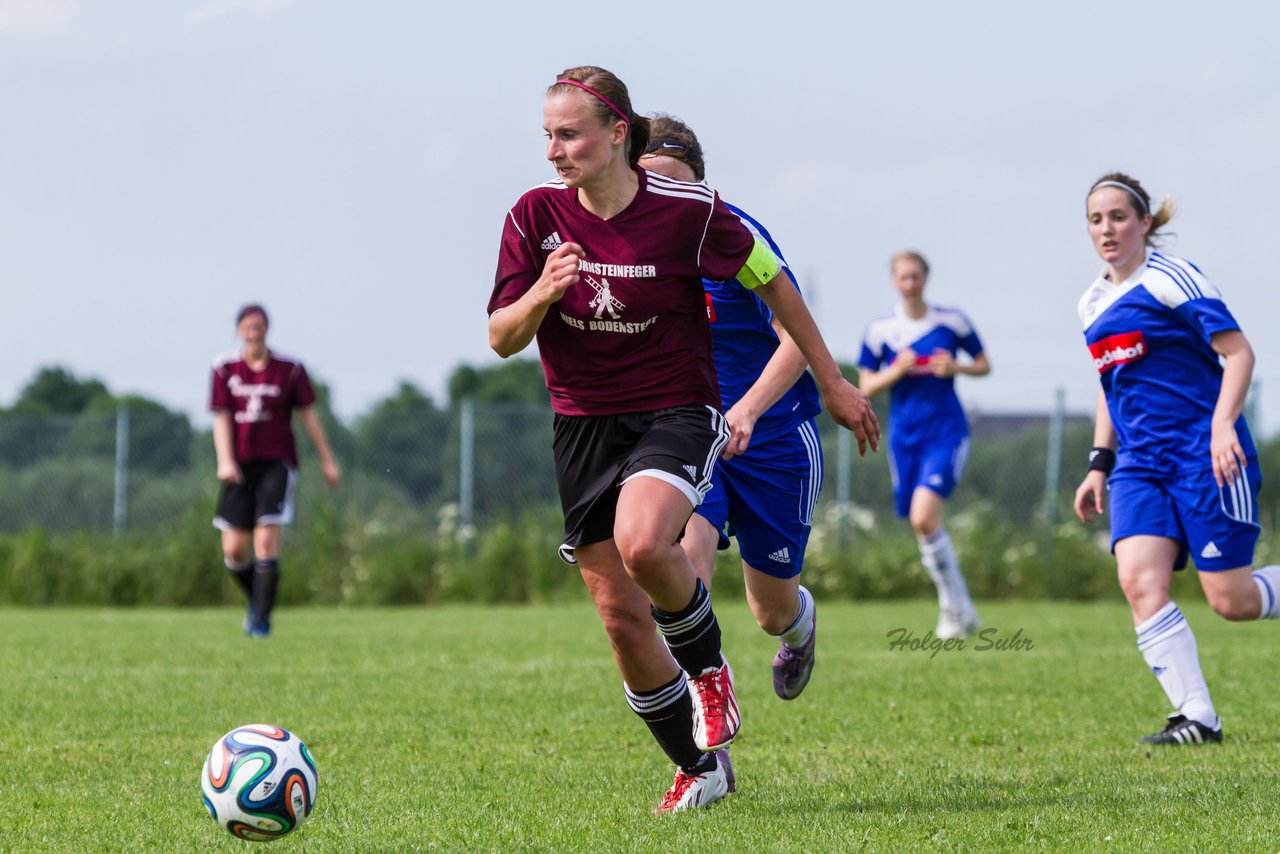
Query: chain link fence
pixel 475 463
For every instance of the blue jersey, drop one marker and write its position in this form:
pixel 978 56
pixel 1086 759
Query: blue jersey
pixel 1150 341
pixel 742 343
pixel 924 409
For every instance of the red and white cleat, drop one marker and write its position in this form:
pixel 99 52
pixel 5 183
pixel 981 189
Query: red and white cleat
pixel 716 718
pixel 694 791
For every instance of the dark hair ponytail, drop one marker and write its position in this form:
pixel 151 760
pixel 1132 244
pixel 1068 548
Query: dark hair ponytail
pixel 641 127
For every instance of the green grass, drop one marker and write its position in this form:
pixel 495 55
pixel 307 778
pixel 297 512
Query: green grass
pixel 504 728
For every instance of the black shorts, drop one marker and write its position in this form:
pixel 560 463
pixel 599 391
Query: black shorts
pixel 264 498
pixel 596 454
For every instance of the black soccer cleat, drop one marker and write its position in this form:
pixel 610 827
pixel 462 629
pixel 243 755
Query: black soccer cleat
pixel 1179 730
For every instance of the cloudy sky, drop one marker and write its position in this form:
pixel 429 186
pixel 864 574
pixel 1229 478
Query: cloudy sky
pixel 349 164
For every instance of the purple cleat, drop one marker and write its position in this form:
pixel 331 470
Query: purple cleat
pixel 793 667
pixel 722 759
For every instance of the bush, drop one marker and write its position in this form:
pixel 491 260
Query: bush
pixel 334 556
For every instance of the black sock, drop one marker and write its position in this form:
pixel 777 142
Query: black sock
pixel 266 575
pixel 243 575
pixel 692 634
pixel 668 712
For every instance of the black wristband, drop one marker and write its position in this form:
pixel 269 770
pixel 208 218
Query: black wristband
pixel 1102 459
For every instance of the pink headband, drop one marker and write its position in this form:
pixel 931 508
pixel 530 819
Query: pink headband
pixel 585 88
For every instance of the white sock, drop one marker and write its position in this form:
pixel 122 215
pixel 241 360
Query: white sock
pixel 939 559
pixel 1170 650
pixel 797 634
pixel 1268 580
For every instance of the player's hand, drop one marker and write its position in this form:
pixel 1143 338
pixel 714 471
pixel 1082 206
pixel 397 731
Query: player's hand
pixel 1228 456
pixel 905 362
pixel 849 408
pixel 1088 503
pixel 229 472
pixel 942 364
pixel 332 474
pixel 742 422
pixel 559 273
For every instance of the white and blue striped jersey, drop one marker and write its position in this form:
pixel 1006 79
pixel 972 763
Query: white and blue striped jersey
pixel 924 409
pixel 1150 341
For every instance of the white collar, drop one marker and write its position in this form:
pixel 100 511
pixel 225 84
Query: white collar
pixel 1134 278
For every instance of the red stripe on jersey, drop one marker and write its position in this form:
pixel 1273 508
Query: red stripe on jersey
pixel 711 309
pixel 1117 350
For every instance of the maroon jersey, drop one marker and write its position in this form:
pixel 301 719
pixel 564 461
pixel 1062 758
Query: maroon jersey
pixel 632 335
pixel 262 404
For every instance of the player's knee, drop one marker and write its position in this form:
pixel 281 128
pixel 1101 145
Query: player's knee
pixel 1232 605
pixel 642 552
pixel 923 525
pixel 774 620
pixel 1143 592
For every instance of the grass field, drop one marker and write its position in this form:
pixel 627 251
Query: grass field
pixel 504 728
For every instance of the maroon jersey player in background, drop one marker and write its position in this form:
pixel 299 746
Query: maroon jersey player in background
pixel 604 266
pixel 255 393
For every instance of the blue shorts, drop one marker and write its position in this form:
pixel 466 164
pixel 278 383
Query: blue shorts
pixel 936 467
pixel 1215 526
pixel 765 498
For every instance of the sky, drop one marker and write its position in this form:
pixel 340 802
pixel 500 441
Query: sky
pixel 349 165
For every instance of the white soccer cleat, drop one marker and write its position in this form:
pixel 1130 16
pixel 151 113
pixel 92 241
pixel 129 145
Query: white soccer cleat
pixel 695 791
pixel 716 718
pixel 957 623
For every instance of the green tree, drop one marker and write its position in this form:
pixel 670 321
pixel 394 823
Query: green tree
pixel 41 421
pixel 57 391
pixel 511 381
pixel 402 439
pixel 159 438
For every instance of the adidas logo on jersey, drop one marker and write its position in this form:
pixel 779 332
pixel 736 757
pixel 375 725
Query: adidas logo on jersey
pixel 552 241
pixel 1210 551
pixel 782 555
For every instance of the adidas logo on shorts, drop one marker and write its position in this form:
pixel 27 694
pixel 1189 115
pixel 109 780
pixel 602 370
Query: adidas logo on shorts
pixel 693 472
pixel 782 555
pixel 552 241
pixel 1211 551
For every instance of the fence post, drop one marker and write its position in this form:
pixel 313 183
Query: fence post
pixel 844 464
pixel 1053 459
pixel 1053 473
pixel 467 464
pixel 120 509
pixel 844 483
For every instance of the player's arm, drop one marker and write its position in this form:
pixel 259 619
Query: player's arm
pixel 224 447
pixel 943 364
pixel 512 327
pixel 315 430
pixel 873 382
pixel 1089 494
pixel 1237 372
pixel 980 366
pixel 780 373
pixel 847 405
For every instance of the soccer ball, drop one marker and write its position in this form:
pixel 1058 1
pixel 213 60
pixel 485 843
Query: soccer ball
pixel 259 782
